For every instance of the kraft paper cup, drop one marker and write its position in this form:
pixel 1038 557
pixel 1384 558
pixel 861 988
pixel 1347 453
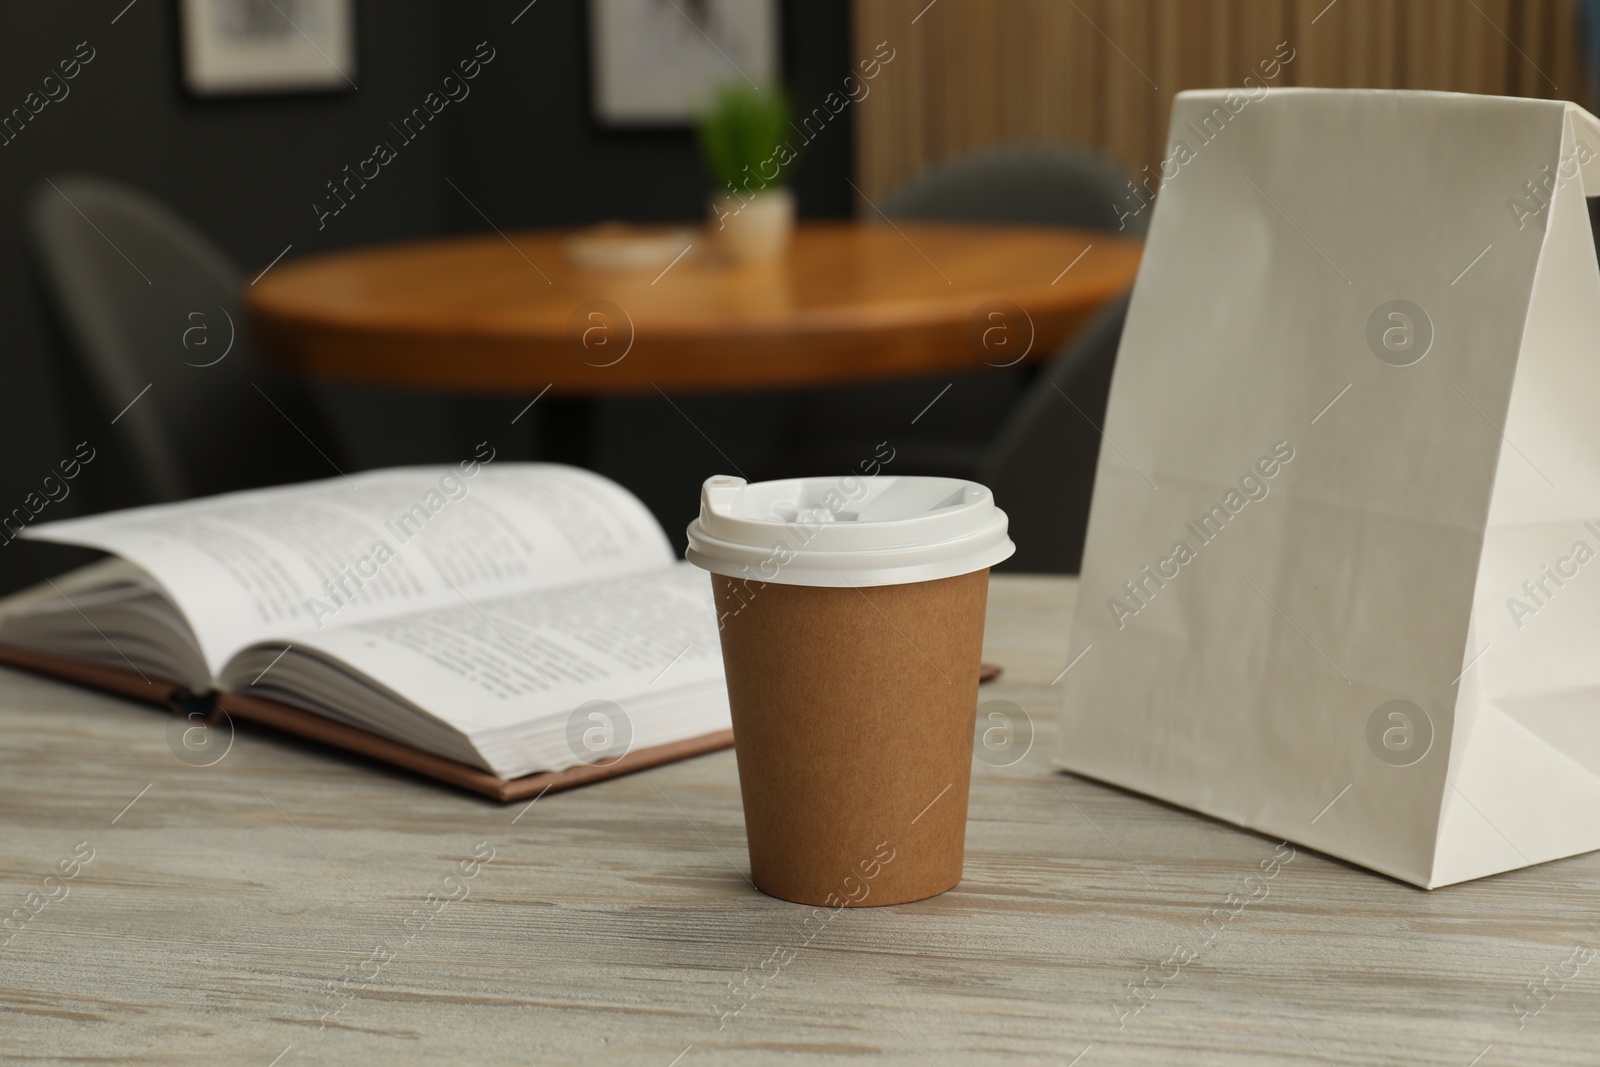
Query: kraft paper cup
pixel 851 612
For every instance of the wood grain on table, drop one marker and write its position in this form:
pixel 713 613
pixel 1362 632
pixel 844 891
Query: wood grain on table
pixel 289 902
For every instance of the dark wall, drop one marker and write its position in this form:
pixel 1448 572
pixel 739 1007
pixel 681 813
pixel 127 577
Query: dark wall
pixel 533 153
pixel 248 171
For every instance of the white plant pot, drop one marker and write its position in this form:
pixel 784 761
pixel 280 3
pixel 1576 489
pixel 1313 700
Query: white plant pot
pixel 755 227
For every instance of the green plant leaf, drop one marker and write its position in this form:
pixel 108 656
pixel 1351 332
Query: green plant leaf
pixel 742 137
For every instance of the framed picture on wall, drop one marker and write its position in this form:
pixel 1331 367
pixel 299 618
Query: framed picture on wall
pixel 657 62
pixel 234 47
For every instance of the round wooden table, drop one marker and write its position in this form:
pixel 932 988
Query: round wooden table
pixel 848 302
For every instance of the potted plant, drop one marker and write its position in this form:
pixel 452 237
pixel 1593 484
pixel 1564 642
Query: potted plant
pixel 742 136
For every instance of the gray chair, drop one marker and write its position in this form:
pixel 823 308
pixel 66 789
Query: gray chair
pixel 1050 185
pixel 1041 464
pixel 1042 441
pixel 1023 185
pixel 1010 429
pixel 143 299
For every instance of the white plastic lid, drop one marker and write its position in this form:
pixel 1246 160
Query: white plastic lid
pixel 885 530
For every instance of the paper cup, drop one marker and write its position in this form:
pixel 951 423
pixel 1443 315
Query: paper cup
pixel 851 612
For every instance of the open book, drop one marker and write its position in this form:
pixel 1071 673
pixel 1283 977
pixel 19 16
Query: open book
pixel 479 622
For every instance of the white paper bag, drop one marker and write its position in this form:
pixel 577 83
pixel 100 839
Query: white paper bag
pixel 1342 575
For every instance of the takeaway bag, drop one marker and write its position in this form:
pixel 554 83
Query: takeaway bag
pixel 1341 582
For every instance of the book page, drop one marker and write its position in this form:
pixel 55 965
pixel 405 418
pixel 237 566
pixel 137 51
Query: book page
pixel 499 668
pixel 349 550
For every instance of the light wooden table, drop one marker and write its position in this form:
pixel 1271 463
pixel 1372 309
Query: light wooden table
pixel 222 904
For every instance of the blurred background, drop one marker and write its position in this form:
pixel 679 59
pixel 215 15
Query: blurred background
pixel 204 135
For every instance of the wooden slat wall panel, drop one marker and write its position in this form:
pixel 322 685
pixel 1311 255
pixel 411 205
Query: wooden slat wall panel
pixel 969 73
